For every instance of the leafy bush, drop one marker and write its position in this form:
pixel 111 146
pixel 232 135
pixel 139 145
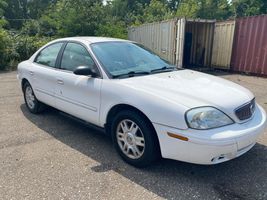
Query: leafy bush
pixel 4 46
pixel 116 30
pixel 26 45
pixel 17 47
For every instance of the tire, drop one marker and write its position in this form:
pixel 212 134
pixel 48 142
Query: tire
pixel 33 105
pixel 137 142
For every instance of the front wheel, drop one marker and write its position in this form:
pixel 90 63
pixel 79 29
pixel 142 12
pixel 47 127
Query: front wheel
pixel 134 138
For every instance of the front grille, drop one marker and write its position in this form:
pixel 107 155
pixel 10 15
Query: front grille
pixel 246 111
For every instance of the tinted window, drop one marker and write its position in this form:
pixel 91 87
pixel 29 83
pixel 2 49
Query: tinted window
pixel 75 55
pixel 48 56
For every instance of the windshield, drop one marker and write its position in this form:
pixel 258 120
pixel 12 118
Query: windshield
pixel 120 58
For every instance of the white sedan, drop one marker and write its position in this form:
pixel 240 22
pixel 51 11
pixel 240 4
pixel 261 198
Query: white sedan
pixel 149 107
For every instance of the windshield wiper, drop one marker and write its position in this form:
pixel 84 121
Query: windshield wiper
pixel 131 74
pixel 163 69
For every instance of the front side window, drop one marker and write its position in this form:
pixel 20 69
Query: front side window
pixel 76 55
pixel 48 56
pixel 126 57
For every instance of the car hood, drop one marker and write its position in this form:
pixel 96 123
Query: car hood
pixel 192 89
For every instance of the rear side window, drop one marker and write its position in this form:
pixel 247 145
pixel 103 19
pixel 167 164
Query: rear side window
pixel 48 56
pixel 75 55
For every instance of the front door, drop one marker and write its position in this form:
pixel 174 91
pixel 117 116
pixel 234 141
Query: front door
pixel 75 94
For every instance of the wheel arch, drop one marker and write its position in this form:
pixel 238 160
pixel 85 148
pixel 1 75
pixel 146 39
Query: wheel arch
pixel 23 81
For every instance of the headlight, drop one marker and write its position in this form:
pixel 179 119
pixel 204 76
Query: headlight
pixel 207 118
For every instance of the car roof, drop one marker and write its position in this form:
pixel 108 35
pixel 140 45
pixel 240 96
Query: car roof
pixel 92 39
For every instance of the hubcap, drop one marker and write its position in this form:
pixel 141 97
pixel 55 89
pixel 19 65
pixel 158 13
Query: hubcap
pixel 130 139
pixel 29 97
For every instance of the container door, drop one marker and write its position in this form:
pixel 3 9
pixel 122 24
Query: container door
pixel 164 36
pixel 180 42
pixel 222 44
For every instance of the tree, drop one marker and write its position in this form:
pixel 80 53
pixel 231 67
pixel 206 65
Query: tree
pixel 73 17
pixel 16 13
pixel 214 9
pixel 3 5
pixel 112 28
pixel 173 4
pixel 156 11
pixel 207 9
pixel 243 8
pixel 188 8
pixel 4 37
pixel 37 7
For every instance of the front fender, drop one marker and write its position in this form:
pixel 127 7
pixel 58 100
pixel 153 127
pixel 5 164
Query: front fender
pixel 156 108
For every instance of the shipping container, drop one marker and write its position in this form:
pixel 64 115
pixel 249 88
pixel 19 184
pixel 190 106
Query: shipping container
pixel 184 42
pixel 223 44
pixel 250 45
pixel 158 36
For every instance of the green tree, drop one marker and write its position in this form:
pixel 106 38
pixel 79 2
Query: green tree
pixel 16 13
pixel 173 4
pixel 243 8
pixel 188 8
pixel 156 11
pixel 72 17
pixel 4 37
pixel 112 28
pixel 214 9
pixel 207 9
pixel 3 5
pixel 37 7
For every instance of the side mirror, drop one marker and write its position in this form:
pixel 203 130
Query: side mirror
pixel 85 70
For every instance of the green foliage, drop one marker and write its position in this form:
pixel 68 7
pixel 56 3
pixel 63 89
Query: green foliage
pixel 35 22
pixel 31 28
pixel 156 11
pixel 116 30
pixel 18 47
pixel 243 8
pixel 72 18
pixel 206 9
pixel 37 7
pixel 4 46
pixel 16 12
pixel 214 9
pixel 173 4
pixel 188 8
pixel 26 45
pixel 3 5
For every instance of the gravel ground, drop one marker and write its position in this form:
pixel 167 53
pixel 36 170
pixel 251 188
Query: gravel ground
pixel 52 156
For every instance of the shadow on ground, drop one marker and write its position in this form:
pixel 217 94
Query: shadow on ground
pixel 241 178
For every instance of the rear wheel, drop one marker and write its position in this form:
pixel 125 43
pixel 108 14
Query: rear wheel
pixel 32 103
pixel 134 138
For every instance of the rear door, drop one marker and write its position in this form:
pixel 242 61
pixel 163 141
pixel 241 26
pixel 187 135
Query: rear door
pixel 75 94
pixel 44 72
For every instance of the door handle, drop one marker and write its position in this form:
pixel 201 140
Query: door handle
pixel 61 82
pixel 31 73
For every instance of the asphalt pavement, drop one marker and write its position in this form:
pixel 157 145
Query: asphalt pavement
pixel 52 156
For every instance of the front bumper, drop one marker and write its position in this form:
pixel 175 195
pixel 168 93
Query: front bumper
pixel 211 146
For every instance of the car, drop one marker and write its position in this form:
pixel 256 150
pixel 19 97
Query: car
pixel 151 109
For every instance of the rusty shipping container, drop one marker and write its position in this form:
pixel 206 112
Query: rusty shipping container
pixel 250 45
pixel 223 44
